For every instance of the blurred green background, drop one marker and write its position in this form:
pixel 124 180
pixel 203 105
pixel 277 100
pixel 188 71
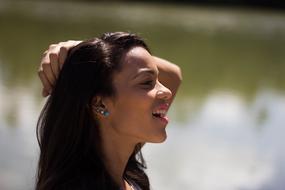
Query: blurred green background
pixel 227 126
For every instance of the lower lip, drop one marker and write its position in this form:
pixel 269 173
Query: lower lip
pixel 164 119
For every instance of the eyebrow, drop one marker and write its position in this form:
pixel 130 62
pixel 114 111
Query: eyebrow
pixel 146 70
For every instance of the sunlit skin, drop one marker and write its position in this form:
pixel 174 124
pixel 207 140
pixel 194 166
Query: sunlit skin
pixel 140 91
pixel 138 94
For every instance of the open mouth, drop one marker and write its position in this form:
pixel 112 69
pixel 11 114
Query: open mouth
pixel 161 116
pixel 159 113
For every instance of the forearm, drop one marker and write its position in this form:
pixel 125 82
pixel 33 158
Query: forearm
pixel 169 75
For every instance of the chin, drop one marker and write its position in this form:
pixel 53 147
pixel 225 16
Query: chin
pixel 159 139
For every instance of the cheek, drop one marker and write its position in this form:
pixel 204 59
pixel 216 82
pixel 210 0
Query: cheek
pixel 136 104
pixel 133 110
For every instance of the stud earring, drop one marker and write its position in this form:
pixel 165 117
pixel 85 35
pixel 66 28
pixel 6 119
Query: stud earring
pixel 106 113
pixel 102 111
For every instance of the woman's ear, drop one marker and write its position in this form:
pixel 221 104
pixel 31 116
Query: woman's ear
pixel 99 107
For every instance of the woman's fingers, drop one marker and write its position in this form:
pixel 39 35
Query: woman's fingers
pixel 62 56
pixel 65 47
pixel 51 63
pixel 46 67
pixel 47 87
pixel 54 63
pixel 49 69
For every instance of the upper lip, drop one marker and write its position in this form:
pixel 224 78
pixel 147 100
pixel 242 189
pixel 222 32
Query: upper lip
pixel 161 109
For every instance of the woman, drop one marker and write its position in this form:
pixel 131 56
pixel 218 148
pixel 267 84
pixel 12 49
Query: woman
pixel 109 98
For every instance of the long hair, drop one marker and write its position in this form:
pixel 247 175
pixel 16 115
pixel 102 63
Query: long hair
pixel 67 131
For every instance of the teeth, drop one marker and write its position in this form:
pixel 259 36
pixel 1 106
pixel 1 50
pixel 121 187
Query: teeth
pixel 160 112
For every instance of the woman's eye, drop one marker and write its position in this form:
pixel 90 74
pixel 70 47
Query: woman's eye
pixel 147 83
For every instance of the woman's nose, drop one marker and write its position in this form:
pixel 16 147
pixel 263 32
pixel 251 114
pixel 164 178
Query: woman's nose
pixel 163 92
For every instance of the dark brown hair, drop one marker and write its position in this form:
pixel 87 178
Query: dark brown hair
pixel 67 132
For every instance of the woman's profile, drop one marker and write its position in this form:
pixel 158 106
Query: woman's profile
pixel 108 96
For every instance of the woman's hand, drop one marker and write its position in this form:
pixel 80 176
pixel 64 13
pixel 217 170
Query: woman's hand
pixel 51 63
pixel 54 58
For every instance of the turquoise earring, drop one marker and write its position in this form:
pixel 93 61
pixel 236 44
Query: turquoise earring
pixel 102 111
pixel 106 113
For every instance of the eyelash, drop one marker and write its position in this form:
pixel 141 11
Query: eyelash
pixel 147 83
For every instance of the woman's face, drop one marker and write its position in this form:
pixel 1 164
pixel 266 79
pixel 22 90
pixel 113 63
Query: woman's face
pixel 138 111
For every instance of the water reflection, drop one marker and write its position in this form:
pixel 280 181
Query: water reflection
pixel 226 130
pixel 18 143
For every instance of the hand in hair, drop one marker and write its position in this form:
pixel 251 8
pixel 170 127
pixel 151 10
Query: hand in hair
pixel 54 57
pixel 51 63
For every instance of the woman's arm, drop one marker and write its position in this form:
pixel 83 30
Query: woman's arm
pixel 169 75
pixel 54 57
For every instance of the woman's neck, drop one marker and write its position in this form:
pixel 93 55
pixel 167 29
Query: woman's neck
pixel 116 151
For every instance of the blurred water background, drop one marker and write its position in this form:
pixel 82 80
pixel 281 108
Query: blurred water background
pixel 227 129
